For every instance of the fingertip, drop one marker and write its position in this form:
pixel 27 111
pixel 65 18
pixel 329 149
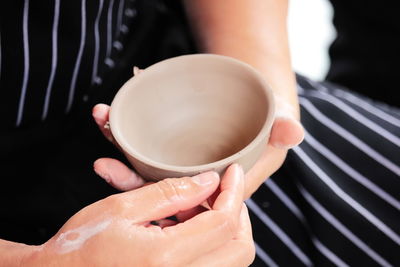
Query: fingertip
pixel 117 174
pixel 136 70
pixel 231 189
pixel 98 167
pixel 100 111
pixel 206 178
pixel 235 171
pixel 286 133
pixel 239 169
pixel 99 164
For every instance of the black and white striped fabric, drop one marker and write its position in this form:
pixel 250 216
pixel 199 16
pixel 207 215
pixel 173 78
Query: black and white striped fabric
pixel 336 200
pixel 52 52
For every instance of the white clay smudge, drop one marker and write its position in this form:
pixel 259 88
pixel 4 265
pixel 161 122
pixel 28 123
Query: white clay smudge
pixel 74 239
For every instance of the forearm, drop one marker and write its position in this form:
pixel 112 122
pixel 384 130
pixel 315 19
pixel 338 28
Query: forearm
pixel 253 31
pixel 14 254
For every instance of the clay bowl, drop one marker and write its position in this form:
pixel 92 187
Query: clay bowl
pixel 190 114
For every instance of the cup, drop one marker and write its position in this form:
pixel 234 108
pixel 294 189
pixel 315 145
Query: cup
pixel 190 114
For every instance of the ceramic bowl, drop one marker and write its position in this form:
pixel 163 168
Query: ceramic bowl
pixel 191 114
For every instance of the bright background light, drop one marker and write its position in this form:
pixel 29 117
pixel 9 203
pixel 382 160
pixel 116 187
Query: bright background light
pixel 310 34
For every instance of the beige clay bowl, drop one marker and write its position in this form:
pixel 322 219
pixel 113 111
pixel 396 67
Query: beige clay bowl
pixel 190 114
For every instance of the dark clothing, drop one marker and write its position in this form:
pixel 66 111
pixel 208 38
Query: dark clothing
pixel 335 201
pixel 46 162
pixel 58 55
pixel 365 55
pixel 47 176
pixel 54 53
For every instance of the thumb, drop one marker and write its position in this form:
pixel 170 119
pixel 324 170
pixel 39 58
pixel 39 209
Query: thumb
pixel 287 132
pixel 169 196
pixel 117 174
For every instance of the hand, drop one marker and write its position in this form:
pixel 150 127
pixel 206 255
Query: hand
pixel 286 133
pixel 117 231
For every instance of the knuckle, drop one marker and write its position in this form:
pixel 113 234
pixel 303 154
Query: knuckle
pixel 117 203
pixel 228 222
pixel 170 189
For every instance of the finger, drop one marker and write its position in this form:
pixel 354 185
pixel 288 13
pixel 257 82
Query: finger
pixel 136 71
pixel 169 196
pixel 185 215
pixel 117 174
pixel 100 114
pixel 210 229
pixel 244 230
pixel 240 251
pixel 271 159
pixel 232 190
pixel 287 132
pixel 188 214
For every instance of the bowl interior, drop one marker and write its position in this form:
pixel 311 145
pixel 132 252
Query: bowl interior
pixel 190 111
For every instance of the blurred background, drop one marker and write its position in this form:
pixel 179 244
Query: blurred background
pixel 310 34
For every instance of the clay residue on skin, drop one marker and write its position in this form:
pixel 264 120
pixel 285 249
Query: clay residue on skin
pixel 72 236
pixel 74 239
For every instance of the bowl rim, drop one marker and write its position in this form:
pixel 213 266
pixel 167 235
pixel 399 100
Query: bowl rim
pixel 262 135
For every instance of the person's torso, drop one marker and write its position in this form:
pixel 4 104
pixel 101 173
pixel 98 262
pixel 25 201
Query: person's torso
pixel 54 52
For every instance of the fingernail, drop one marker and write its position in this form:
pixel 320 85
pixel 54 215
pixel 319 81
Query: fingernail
pixel 240 170
pixel 205 178
pixel 104 176
pixel 136 70
pixel 283 146
pixel 285 115
pixel 287 146
pixel 95 113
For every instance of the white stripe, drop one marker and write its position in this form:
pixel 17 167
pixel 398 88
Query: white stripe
pixel 26 63
pixel 279 233
pixel 97 42
pixel 341 228
pixel 368 107
pixel 300 89
pixel 120 15
pixel 285 199
pixel 79 57
pixel 357 116
pixel 360 103
pixel 348 136
pixel 328 253
pixel 264 256
pixel 53 59
pixel 296 211
pixel 345 197
pixel 351 172
pixel 109 28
